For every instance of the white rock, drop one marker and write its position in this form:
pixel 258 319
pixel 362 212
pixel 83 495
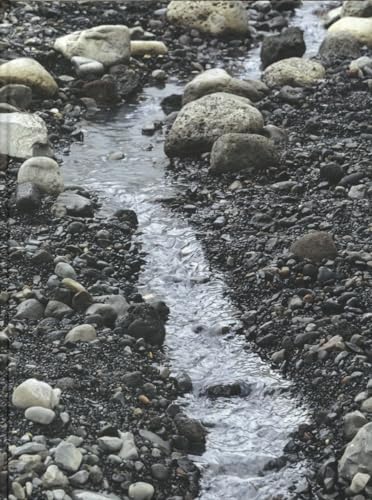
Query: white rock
pixel 216 18
pixel 81 333
pixel 34 392
pixel 91 495
pixel 40 415
pixel 359 482
pixel 107 44
pixel 359 27
pixel 200 123
pixel 19 132
pixel 110 444
pixel 84 66
pixel 68 457
pixel 44 172
pixel 294 71
pixel 357 456
pixel 145 47
pixel 53 477
pixel 27 71
pixel 129 450
pixel 141 491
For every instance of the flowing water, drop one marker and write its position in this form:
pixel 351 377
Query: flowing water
pixel 244 432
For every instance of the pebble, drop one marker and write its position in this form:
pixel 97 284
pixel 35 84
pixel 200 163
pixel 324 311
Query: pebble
pixel 141 491
pixel 40 415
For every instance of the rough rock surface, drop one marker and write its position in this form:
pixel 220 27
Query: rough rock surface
pixel 27 71
pixel 294 71
pixel 359 27
pixel 19 133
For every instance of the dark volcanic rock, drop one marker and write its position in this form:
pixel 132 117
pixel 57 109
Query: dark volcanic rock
pixel 290 43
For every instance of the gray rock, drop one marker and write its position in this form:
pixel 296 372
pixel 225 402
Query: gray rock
pixel 79 478
pixel 160 472
pixel 315 246
pixel 191 429
pixel 65 270
pixel 53 477
pixel 86 67
pixel 249 152
pixel 40 415
pixel 29 72
pixel 91 495
pixel 58 310
pixel 141 491
pixel 218 80
pixel 294 71
pixel 30 448
pixel 43 172
pixel 28 197
pixel 81 333
pixel 200 123
pixel 341 45
pixel 17 95
pixel 359 482
pixel 357 8
pixel 30 309
pixel 155 439
pixel 289 43
pixel 107 312
pixel 110 444
pixel 34 392
pixel 367 405
pixel 353 421
pixel 75 204
pixel 129 450
pixel 107 44
pixel 20 132
pixel 67 456
pixel 358 454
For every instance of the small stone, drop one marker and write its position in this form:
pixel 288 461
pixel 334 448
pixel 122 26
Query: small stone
pixel 40 415
pixel 141 491
pixel 64 270
pixel 81 333
pixel 359 482
pixel 110 444
pixel 160 472
pixel 28 197
pixel 53 477
pixel 67 456
pixel 129 450
pixel 353 421
pixel 30 309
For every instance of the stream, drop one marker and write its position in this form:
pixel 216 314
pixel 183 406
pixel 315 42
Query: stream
pixel 244 432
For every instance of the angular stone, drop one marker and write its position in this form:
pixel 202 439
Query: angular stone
pixel 68 457
pixel 289 43
pixel 30 309
pixel 75 204
pixel 53 477
pixel 19 133
pixel 129 450
pixel 358 454
pixel 81 333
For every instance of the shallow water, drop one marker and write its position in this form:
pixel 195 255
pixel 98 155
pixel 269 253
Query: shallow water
pixel 244 432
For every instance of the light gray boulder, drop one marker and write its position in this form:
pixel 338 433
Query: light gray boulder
pixel 27 71
pixel 357 456
pixel 44 172
pixel 19 133
pixel 294 71
pixel 359 27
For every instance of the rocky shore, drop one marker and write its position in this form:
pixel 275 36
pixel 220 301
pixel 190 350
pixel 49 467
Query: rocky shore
pixel 279 191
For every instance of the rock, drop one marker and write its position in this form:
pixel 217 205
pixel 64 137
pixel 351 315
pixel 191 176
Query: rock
pixel 141 491
pixel 159 75
pixel 67 456
pixel 218 80
pixel 361 66
pixel 216 18
pixel 129 450
pixel 43 172
pixel 81 333
pixel 191 429
pixel 367 405
pixel 224 390
pixel 53 477
pixel 157 440
pixel 28 197
pixel 107 312
pixel 27 71
pixel 75 204
pixel 65 270
pixel 332 173
pixel 249 152
pixel 289 43
pixel 57 309
pixel 143 321
pixel 110 444
pixel 103 91
pixel 17 95
pixel 160 472
pixel 315 246
pixel 359 27
pixel 295 71
pixel 200 123
pixel 335 343
pixel 87 67
pixel 184 383
pixel 357 456
pixel 357 8
pixel 34 392
pixel 359 482
pixel 91 495
pixel 40 415
pixel 338 46
pixel 107 44
pixel 141 48
pixel 20 132
pixel 30 309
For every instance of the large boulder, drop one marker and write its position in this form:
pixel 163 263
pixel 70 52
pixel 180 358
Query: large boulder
pixel 357 8
pixel 33 392
pixel 339 46
pixel 295 71
pixel 43 172
pixel 359 27
pixel 19 133
pixel 107 44
pixel 218 80
pixel 27 71
pixel 315 246
pixel 289 43
pixel 217 18
pixel 200 123
pixel 248 152
pixel 358 454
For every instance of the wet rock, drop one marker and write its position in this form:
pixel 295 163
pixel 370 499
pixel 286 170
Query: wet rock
pixel 315 246
pixel 16 95
pixel 141 48
pixel 106 311
pixel 23 130
pixel 27 71
pixel 143 321
pixel 34 392
pixel 249 152
pixel 28 197
pixel 75 204
pixel 224 390
pixel 216 18
pixel 127 80
pixel 141 491
pixel 43 172
pixel 67 456
pixel 103 91
pixel 295 71
pixel 87 67
pixel 218 80
pixel 81 333
pixel 358 454
pixel 30 309
pixel 200 123
pixel 156 440
pixel 40 415
pixel 184 383
pixel 192 430
pixel 357 8
pixel 338 46
pixel 107 44
pixel 290 43
pixel 359 27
